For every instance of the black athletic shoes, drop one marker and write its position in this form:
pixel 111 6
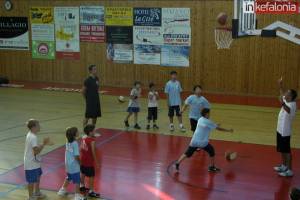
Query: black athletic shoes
pixel 213 169
pixel 126 124
pixel 94 194
pixel 136 126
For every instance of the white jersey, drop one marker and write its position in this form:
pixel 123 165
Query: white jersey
pixel 152 99
pixel 31 161
pixel 285 119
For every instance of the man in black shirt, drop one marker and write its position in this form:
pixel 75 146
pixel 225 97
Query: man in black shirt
pixel 91 96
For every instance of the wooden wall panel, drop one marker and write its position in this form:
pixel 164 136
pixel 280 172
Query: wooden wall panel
pixel 250 67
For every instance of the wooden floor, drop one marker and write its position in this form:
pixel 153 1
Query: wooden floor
pixel 57 110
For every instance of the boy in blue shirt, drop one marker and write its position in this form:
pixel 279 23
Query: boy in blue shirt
pixel 196 102
pixel 173 92
pixel 200 140
pixel 72 162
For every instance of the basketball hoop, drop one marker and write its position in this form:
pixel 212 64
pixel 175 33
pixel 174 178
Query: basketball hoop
pixel 223 37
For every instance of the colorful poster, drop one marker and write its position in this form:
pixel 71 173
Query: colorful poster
pixel 119 53
pixel 118 16
pixel 178 39
pixel 177 56
pixel 147 16
pixel 67 32
pixel 92 27
pixel 42 32
pixel 119 34
pixel 148 35
pixel 14 33
pixel 147 54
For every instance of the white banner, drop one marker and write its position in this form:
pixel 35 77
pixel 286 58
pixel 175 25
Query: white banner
pixel 148 35
pixel 147 54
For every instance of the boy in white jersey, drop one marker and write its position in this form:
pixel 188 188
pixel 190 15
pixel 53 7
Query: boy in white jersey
pixel 152 106
pixel 284 129
pixel 32 159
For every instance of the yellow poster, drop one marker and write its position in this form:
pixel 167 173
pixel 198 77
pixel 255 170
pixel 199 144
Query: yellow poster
pixel 41 15
pixel 118 16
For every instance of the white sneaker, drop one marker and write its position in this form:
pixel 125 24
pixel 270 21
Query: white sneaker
pixel 280 168
pixel 287 173
pixel 62 192
pixel 172 127
pixel 182 129
pixel 39 195
pixel 79 197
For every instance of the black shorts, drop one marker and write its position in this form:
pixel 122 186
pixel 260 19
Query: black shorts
pixel 209 149
pixel 152 113
pixel 193 123
pixel 173 109
pixel 87 171
pixel 283 143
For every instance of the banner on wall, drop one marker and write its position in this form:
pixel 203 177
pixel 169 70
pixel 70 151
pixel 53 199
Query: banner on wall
pixel 147 16
pixel 176 56
pixel 119 53
pixel 14 33
pixel 147 54
pixel 67 32
pixel 119 34
pixel 148 35
pixel 92 27
pixel 42 32
pixel 178 39
pixel 118 16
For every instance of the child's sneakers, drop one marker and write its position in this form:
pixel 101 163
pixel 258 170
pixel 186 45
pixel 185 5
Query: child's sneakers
pixel 94 194
pixel 126 124
pixel 287 173
pixel 136 126
pixel 182 129
pixel 148 127
pixel 213 169
pixel 280 168
pixel 172 127
pixel 155 126
pixel 62 192
pixel 79 197
pixel 39 195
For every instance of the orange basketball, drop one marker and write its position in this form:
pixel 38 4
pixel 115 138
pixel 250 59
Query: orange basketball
pixel 222 18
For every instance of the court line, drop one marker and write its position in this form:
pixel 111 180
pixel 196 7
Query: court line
pixel 52 169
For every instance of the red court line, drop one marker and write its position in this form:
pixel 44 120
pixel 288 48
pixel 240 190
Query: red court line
pixel 215 98
pixel 134 167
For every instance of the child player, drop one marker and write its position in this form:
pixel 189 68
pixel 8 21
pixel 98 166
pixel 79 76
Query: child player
pixel 200 140
pixel 152 106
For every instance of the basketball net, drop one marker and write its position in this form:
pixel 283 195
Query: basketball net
pixel 223 37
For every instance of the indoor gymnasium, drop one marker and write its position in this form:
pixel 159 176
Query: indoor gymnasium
pixel 149 100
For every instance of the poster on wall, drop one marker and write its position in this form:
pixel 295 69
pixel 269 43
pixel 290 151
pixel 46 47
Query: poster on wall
pixel 42 32
pixel 147 16
pixel 14 33
pixel 176 56
pixel 92 27
pixel 67 32
pixel 147 54
pixel 178 39
pixel 119 53
pixel 119 34
pixel 118 16
pixel 174 20
pixel 148 35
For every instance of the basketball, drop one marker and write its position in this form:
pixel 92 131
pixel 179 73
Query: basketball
pixel 222 18
pixel 230 155
pixel 121 99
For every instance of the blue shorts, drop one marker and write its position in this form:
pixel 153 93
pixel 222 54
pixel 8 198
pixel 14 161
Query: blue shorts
pixel 33 175
pixel 133 109
pixel 75 178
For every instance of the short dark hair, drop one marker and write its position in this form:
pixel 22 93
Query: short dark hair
pixel 91 67
pixel 32 123
pixel 293 94
pixel 197 86
pixel 173 72
pixel 136 82
pixel 205 111
pixel 151 84
pixel 71 134
pixel 88 128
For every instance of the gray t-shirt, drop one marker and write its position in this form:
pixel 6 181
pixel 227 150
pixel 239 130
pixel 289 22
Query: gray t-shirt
pixel 134 102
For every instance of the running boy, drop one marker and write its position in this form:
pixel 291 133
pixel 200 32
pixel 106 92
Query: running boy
pixel 72 162
pixel 173 91
pixel 89 160
pixel 284 129
pixel 200 140
pixel 32 159
pixel 152 106
pixel 134 104
pixel 196 102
